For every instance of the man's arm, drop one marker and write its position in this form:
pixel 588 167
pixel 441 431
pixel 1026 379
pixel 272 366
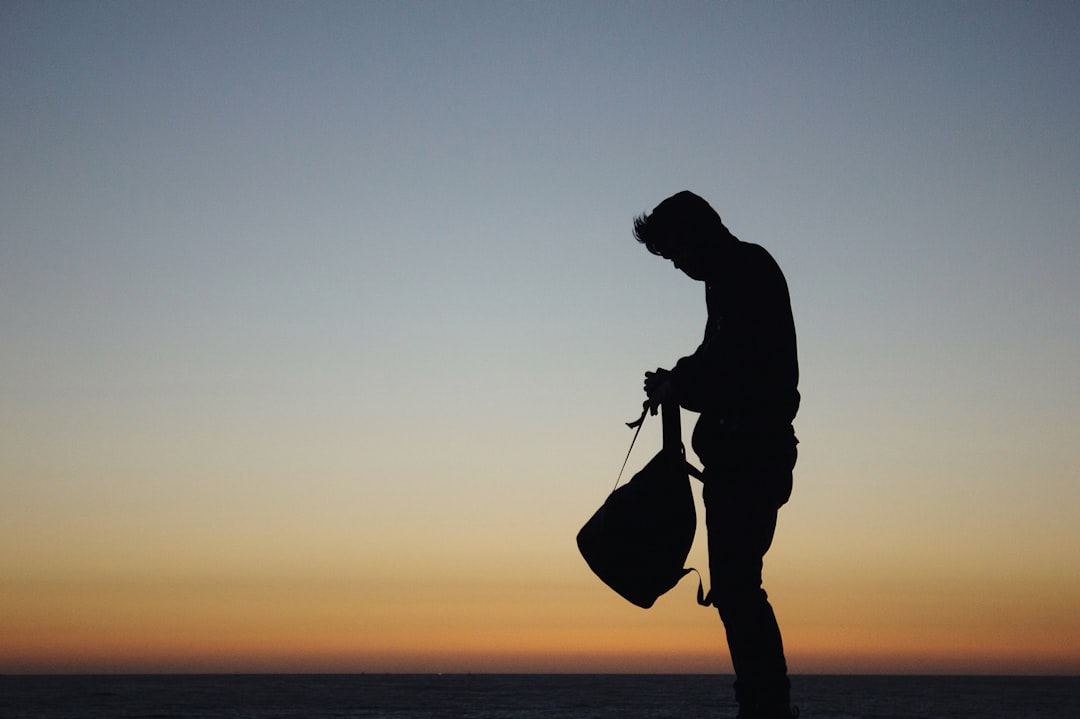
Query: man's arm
pixel 686 384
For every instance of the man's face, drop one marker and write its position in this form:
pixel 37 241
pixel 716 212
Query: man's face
pixel 688 255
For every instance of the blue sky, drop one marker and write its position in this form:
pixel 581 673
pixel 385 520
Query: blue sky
pixel 298 281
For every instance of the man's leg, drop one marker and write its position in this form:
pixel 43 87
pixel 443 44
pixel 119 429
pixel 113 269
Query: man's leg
pixel 741 517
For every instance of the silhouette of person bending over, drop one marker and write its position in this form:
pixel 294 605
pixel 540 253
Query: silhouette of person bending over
pixel 743 381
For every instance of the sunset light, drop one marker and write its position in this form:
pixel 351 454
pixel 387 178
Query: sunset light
pixel 321 323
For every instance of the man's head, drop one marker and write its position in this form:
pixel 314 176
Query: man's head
pixel 685 229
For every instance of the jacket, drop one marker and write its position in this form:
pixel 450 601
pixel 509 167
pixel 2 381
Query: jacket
pixel 743 378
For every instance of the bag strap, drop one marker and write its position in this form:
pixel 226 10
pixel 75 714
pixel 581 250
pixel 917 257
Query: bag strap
pixel 671 419
pixel 636 426
pixel 703 598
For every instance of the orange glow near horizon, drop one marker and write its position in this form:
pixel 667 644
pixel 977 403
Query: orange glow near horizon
pixel 289 627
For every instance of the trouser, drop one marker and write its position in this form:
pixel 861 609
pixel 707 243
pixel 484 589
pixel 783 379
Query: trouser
pixel 742 494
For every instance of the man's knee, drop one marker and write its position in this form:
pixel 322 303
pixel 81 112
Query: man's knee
pixel 734 600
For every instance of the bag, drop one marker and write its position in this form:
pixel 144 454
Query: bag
pixel 638 541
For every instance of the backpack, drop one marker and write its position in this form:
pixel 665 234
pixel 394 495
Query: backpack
pixel 638 540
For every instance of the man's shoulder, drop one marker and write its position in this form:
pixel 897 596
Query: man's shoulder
pixel 752 250
pixel 754 257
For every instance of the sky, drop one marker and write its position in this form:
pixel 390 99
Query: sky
pixel 321 322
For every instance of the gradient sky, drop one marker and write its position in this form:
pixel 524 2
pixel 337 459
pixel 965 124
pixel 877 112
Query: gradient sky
pixel 321 322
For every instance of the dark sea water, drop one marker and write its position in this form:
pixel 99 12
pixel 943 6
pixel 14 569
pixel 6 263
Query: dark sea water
pixel 523 696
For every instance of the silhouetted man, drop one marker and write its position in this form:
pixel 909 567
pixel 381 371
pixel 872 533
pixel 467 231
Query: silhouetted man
pixel 743 380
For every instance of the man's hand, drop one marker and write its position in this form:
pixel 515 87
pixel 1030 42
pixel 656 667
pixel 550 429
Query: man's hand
pixel 658 389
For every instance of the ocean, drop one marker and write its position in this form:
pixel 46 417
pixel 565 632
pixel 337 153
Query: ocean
pixel 521 696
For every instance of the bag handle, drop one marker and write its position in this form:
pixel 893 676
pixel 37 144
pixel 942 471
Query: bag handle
pixel 670 418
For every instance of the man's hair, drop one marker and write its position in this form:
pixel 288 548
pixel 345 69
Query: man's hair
pixel 676 218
